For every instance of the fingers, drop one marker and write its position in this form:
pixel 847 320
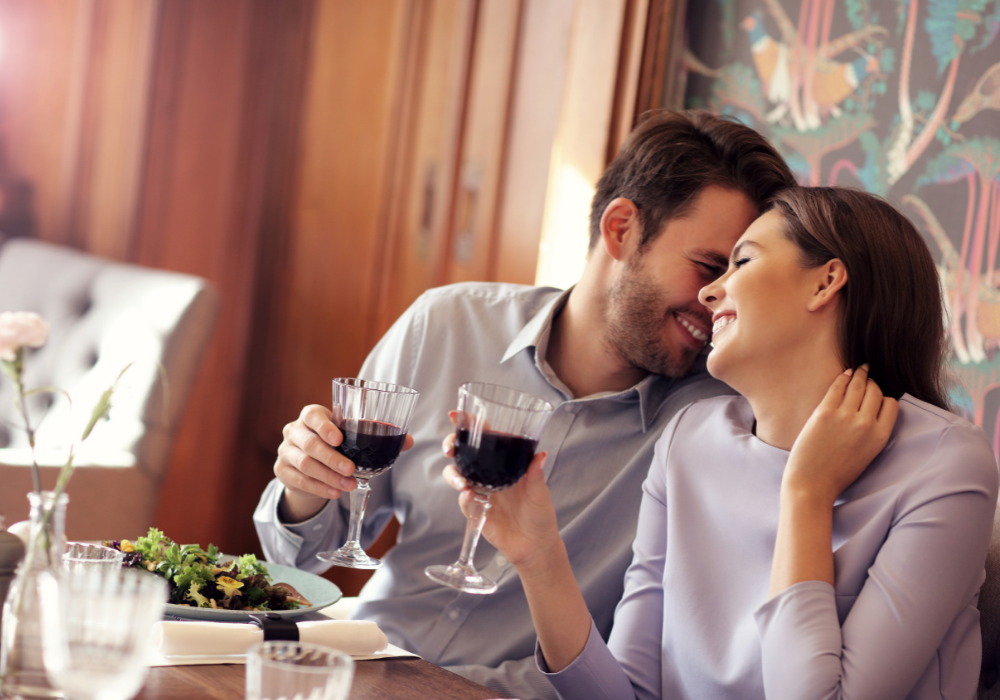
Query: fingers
pixel 408 442
pixel 454 479
pixel 293 459
pixel 872 401
pixel 448 445
pixel 302 442
pixel 855 392
pixel 835 394
pixel 301 482
pixel 317 419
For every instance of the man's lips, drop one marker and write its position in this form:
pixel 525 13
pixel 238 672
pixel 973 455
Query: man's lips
pixel 695 327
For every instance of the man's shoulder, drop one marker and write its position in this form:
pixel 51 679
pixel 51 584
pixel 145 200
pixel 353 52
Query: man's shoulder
pixel 481 297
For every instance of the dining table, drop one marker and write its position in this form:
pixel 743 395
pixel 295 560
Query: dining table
pixel 407 678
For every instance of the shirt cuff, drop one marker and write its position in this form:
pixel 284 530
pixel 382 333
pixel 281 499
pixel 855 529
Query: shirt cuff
pixel 595 669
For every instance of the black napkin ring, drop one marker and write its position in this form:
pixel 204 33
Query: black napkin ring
pixel 276 628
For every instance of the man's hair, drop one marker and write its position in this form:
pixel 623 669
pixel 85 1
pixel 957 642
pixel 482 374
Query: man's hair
pixel 672 156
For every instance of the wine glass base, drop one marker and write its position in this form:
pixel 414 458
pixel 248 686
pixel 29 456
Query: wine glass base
pixel 461 578
pixel 350 558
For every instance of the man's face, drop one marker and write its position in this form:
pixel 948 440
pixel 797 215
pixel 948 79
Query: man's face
pixel 654 319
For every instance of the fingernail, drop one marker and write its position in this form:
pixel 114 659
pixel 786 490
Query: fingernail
pixel 332 493
pixel 347 482
pixel 865 366
pixel 848 371
pixel 458 482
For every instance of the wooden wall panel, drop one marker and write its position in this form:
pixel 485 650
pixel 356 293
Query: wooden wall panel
pixel 484 142
pixel 422 237
pixel 205 177
pixel 341 177
pixel 39 42
pixel 543 51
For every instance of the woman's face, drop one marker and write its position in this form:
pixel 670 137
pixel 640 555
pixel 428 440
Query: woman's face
pixel 760 307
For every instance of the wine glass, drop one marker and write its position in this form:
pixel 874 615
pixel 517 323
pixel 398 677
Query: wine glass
pixel 96 630
pixel 497 431
pixel 372 416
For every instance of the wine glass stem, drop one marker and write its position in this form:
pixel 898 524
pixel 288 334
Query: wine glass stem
pixel 473 528
pixel 359 499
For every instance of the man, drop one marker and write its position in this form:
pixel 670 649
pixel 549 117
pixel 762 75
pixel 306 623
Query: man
pixel 617 355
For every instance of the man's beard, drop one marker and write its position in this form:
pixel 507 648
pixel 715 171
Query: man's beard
pixel 634 319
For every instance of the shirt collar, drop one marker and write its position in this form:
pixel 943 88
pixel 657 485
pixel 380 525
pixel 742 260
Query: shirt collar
pixel 651 391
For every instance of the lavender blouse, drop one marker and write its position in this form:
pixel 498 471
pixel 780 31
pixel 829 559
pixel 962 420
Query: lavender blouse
pixel 909 542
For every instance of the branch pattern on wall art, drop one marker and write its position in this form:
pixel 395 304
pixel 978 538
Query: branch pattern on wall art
pixel 898 97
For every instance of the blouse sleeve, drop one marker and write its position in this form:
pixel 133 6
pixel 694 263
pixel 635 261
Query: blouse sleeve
pixel 924 579
pixel 629 665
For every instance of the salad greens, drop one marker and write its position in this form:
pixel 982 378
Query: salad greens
pixel 197 578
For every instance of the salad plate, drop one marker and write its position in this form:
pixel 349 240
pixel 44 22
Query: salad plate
pixel 316 589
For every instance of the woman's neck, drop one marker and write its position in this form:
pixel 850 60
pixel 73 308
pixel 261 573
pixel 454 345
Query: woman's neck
pixel 784 397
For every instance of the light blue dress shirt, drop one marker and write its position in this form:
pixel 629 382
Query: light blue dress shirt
pixel 909 545
pixel 599 448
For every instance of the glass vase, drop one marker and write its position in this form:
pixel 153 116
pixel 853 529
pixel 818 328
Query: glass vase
pixel 22 669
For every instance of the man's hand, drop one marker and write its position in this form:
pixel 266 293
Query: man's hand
pixel 309 466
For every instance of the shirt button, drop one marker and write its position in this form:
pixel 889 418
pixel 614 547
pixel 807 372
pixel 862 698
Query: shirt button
pixel 454 615
pixel 500 561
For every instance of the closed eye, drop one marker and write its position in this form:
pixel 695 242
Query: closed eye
pixel 712 271
pixel 741 262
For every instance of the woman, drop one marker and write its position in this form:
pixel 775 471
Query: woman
pixel 735 590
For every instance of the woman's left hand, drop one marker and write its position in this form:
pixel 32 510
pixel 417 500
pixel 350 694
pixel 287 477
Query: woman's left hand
pixel 842 436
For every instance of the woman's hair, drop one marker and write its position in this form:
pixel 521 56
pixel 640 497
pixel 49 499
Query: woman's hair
pixel 892 314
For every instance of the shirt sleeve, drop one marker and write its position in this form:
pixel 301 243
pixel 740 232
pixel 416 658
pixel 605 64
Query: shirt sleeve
pixel 393 360
pixel 921 588
pixel 629 666
pixel 516 678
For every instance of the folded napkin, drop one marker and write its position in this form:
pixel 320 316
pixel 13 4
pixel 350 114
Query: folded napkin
pixel 354 637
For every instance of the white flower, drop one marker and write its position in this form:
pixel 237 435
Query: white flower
pixel 20 329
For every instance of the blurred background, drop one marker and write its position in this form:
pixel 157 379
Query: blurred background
pixel 322 162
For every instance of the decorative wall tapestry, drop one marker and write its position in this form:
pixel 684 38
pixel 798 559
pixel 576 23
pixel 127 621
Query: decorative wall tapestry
pixel 899 97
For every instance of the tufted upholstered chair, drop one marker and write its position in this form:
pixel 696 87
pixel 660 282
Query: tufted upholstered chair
pixel 103 315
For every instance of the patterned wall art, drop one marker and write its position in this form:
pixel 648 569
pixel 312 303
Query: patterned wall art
pixel 899 97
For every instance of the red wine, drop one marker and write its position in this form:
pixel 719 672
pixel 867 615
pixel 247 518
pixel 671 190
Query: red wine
pixel 372 445
pixel 499 461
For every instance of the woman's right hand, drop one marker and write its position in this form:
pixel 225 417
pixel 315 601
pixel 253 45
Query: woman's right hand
pixel 521 521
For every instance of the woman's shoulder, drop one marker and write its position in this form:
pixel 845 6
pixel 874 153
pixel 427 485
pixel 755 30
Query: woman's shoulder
pixel 941 441
pixel 709 418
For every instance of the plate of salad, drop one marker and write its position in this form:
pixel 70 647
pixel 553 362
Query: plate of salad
pixel 207 585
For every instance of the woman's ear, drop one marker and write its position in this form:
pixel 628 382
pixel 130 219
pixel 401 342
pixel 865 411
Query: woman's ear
pixel 621 228
pixel 830 278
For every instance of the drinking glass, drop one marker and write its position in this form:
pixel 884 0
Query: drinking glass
pixel 80 557
pixel 96 630
pixel 373 417
pixel 497 431
pixel 297 671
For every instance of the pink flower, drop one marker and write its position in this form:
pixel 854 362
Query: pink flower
pixel 19 329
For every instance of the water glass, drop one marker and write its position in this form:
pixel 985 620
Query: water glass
pixel 80 557
pixel 96 630
pixel 297 671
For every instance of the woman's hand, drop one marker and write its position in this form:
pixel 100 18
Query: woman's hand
pixel 844 434
pixel 521 521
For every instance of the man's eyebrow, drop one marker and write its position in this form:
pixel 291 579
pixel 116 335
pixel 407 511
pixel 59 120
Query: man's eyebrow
pixel 739 246
pixel 712 256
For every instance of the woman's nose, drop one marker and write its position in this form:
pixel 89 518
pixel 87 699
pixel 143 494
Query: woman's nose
pixel 710 294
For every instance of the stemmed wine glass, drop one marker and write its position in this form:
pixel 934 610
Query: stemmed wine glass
pixel 373 417
pixel 497 431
